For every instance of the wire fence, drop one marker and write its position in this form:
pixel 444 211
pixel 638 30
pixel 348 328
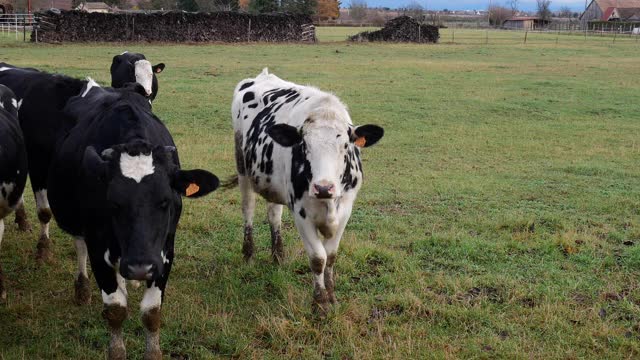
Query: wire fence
pixel 547 36
pixel 18 26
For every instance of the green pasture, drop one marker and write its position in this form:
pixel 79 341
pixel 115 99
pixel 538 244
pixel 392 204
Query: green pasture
pixel 499 217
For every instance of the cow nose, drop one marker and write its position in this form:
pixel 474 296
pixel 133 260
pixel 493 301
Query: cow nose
pixel 323 190
pixel 140 272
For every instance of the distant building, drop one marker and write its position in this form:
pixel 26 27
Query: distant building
pixel 94 7
pixel 600 11
pixel 525 23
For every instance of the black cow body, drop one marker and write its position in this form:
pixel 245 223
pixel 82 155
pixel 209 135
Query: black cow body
pixel 42 121
pixel 13 162
pixel 128 66
pixel 115 185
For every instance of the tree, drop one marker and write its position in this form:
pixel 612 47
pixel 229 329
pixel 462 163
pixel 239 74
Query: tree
pixel 544 11
pixel 306 7
pixel 414 9
pixel 498 15
pixel 218 5
pixel 328 9
pixel 514 6
pixel 565 12
pixel 358 10
pixel 263 6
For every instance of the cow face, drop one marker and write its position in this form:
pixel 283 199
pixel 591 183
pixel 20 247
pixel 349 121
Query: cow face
pixel 133 67
pixel 325 144
pixel 8 101
pixel 143 201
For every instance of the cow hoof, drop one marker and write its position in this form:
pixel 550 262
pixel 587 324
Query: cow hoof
pixel 321 310
pixel 153 355
pixel 43 250
pixel 117 352
pixel 23 225
pixel 278 259
pixel 83 290
pixel 332 299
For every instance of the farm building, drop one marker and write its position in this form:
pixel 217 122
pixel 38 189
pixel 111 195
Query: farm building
pixel 525 23
pixel 600 12
pixel 94 7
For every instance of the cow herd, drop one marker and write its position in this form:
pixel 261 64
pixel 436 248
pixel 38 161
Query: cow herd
pixel 107 169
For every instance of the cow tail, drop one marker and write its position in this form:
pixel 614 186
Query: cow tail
pixel 230 183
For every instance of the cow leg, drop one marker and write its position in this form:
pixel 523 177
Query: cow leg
pixel 248 209
pixel 114 297
pixel 317 260
pixel 151 316
pixel 274 212
pixel 331 247
pixel 44 215
pixel 21 216
pixel 3 292
pixel 82 287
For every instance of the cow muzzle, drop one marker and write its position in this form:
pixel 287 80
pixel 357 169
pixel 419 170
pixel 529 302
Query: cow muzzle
pixel 138 272
pixel 323 190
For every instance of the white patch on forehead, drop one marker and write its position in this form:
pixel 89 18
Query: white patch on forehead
pixel 91 83
pixel 124 53
pixel 144 74
pixel 4 68
pixel 19 104
pixel 15 103
pixel 136 167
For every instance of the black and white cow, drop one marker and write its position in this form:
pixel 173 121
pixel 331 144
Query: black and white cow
pixel 13 162
pixel 296 146
pixel 116 185
pixel 43 122
pixel 130 65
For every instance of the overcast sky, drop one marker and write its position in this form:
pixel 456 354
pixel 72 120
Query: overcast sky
pixel 576 5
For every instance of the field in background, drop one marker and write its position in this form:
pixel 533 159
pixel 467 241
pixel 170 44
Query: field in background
pixel 499 217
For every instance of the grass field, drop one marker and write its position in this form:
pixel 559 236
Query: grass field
pixel 499 217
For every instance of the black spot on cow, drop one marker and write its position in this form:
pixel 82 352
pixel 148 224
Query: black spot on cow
pixel 300 170
pixel 246 116
pixel 303 213
pixel 246 85
pixel 249 96
pixel 253 106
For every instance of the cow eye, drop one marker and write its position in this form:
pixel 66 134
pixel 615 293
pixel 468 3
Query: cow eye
pixel 163 204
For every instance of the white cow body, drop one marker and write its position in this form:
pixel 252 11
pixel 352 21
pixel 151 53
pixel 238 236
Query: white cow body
pixel 295 146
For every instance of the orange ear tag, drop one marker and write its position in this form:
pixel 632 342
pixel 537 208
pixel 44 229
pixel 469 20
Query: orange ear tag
pixel 192 189
pixel 361 141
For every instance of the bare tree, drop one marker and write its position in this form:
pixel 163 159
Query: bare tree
pixel 358 10
pixel 544 11
pixel 565 12
pixel 498 15
pixel 514 6
pixel 414 9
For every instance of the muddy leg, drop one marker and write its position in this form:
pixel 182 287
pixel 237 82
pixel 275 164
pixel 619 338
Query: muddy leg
pixel 82 287
pixel 21 217
pixel 248 209
pixel 274 212
pixel 44 215
pixel 151 318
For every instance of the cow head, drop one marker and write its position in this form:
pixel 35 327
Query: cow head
pixel 326 145
pixel 132 67
pixel 8 101
pixel 144 186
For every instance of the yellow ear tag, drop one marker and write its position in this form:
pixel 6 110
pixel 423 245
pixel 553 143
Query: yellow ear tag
pixel 192 189
pixel 361 141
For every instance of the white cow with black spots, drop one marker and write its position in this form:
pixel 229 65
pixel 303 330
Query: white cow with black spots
pixel 296 146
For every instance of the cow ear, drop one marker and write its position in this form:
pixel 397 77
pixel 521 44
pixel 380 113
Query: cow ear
pixel 194 183
pixel 367 135
pixel 93 164
pixel 285 135
pixel 157 69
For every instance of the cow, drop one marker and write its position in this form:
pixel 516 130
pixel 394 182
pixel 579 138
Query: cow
pixel 13 163
pixel 43 122
pixel 128 66
pixel 296 146
pixel 116 185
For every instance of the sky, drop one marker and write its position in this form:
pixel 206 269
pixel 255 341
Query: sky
pixel 576 5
